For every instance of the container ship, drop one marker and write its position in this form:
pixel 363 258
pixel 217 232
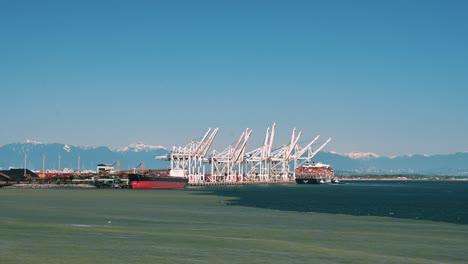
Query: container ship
pixel 315 173
pixel 157 179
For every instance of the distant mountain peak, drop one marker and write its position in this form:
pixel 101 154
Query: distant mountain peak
pixel 28 141
pixel 359 155
pixel 416 155
pixel 137 147
pixel 14 154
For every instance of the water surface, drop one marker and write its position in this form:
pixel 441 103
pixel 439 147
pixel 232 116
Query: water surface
pixel 348 223
pixel 444 201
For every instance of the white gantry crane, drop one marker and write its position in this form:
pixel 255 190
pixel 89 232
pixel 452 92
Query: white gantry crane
pixel 235 165
pixel 189 160
pixel 299 157
pixel 257 161
pixel 281 158
pixel 226 166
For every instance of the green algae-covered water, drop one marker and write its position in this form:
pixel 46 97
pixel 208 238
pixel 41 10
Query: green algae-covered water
pixel 358 222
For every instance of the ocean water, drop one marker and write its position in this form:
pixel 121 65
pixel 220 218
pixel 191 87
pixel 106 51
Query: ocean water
pixel 356 222
pixel 445 201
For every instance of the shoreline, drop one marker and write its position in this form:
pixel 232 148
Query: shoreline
pixel 402 179
pixel 203 184
pixel 48 186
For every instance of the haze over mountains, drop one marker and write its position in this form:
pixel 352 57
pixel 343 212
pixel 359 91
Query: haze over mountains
pixel 13 155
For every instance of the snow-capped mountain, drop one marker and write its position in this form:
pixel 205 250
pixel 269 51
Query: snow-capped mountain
pixel 137 147
pixel 358 155
pixel 58 155
pixel 455 164
pixel 13 155
pixel 33 142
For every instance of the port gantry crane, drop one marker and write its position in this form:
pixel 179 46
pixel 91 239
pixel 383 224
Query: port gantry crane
pixel 140 165
pixel 263 164
pixel 257 161
pixel 117 164
pixel 235 165
pixel 300 159
pixel 281 158
pixel 227 164
pixel 191 158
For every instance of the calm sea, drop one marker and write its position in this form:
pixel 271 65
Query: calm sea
pixel 354 222
pixel 425 200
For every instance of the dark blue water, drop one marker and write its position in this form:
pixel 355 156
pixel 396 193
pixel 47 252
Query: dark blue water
pixel 445 201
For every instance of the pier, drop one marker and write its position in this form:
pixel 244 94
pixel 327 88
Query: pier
pixel 5 184
pixel 190 184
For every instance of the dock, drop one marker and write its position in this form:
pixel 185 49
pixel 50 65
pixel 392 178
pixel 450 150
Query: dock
pixel 5 184
pixel 190 184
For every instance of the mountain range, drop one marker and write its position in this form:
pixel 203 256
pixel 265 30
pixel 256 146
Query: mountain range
pixel 36 154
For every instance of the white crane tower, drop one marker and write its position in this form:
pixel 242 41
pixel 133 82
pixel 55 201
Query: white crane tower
pixel 233 164
pixel 281 158
pixel 227 165
pixel 189 160
pixel 257 161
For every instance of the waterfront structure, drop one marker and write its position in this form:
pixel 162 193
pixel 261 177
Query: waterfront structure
pixel 192 157
pixel 17 174
pixel 235 165
pixel 105 169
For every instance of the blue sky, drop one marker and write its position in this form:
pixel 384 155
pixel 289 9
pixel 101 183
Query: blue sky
pixel 389 77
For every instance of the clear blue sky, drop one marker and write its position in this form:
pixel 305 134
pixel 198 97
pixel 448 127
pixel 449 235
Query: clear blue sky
pixel 389 77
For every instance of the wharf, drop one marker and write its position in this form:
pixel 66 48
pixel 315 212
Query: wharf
pixel 48 186
pixel 238 183
pixel 5 184
pixel 124 184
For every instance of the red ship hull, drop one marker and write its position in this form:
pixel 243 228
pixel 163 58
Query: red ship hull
pixel 138 181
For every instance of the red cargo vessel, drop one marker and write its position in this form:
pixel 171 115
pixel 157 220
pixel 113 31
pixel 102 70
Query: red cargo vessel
pixel 156 180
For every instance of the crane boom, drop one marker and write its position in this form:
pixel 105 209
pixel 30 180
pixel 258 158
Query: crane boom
pixel 239 153
pixel 317 150
pixel 204 149
pixel 294 141
pixel 298 154
pixel 272 137
pixel 196 150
